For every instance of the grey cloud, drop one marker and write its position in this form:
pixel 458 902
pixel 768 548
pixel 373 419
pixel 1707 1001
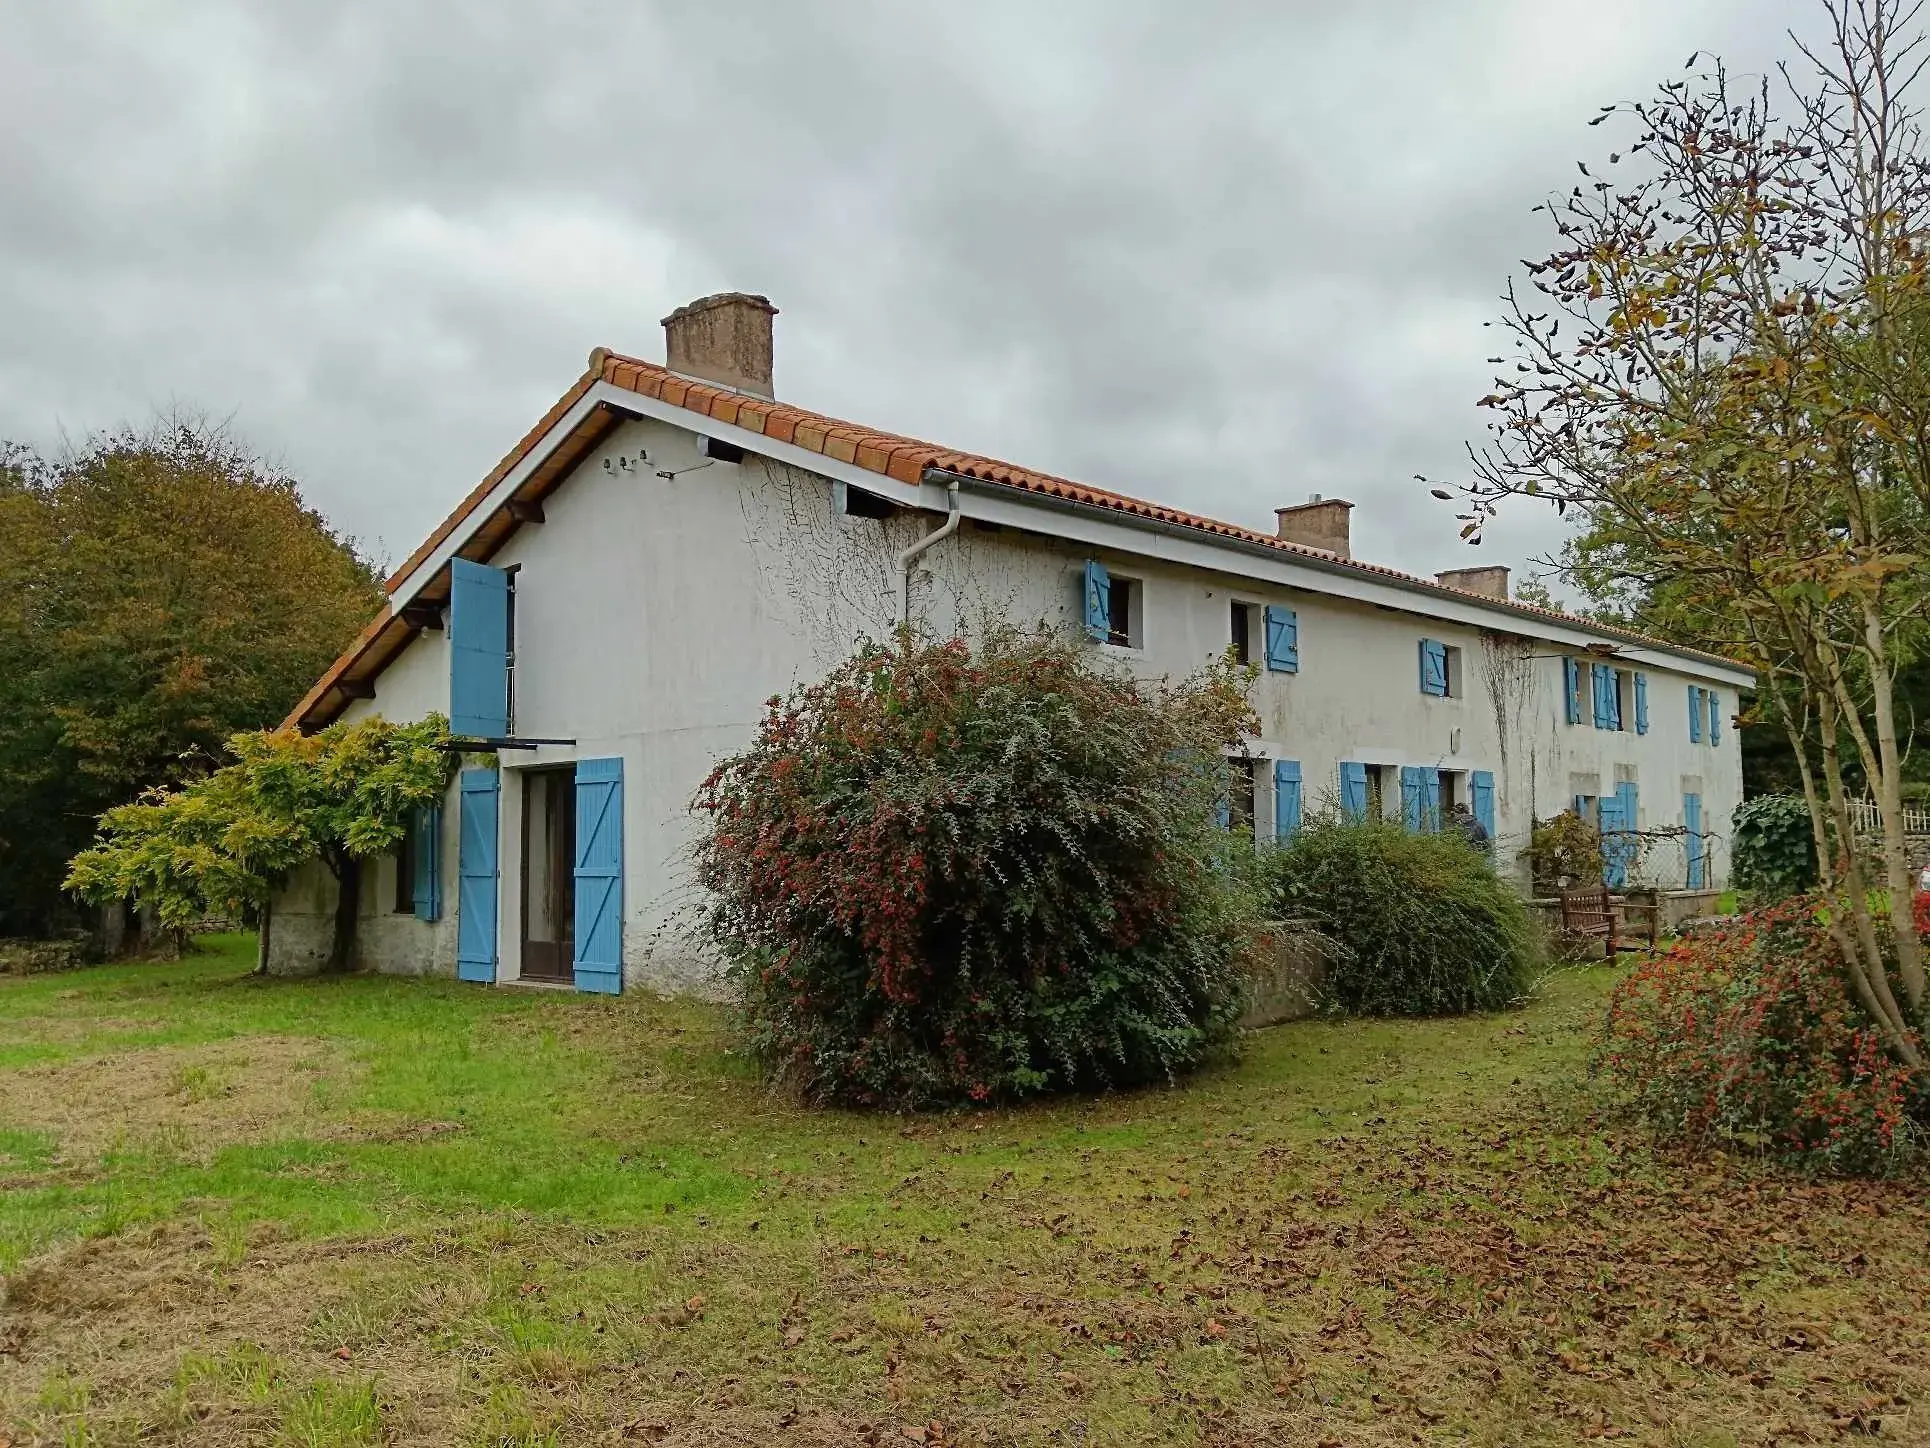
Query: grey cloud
pixel 1219 255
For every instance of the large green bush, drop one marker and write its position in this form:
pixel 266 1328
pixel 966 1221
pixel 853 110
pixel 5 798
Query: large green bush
pixel 1772 851
pixel 948 874
pixel 1420 923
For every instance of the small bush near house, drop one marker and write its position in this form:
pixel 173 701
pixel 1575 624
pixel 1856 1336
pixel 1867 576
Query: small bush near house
pixel 1746 1037
pixel 946 874
pixel 1563 853
pixel 1421 924
pixel 1772 850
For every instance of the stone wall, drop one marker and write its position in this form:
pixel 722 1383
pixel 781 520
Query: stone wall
pixel 1285 967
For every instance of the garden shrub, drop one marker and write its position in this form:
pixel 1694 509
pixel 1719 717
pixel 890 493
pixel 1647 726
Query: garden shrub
pixel 1772 850
pixel 1564 852
pixel 1746 1036
pixel 947 874
pixel 1420 923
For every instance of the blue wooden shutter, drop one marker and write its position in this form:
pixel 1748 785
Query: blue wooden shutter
pixel 1481 785
pixel 1434 674
pixel 427 846
pixel 1413 797
pixel 1286 797
pixel 1431 799
pixel 1626 843
pixel 1613 678
pixel 1599 686
pixel 1608 810
pixel 1692 839
pixel 1098 601
pixel 1571 677
pixel 599 875
pixel 1283 639
pixel 1695 714
pixel 478 650
pixel 476 874
pixel 1715 717
pixel 1641 703
pixel 1353 790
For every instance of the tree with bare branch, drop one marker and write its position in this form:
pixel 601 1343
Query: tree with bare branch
pixel 1723 369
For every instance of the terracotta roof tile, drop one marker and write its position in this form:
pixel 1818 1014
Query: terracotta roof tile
pixel 905 460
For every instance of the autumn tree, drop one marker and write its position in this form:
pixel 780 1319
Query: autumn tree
pixel 159 591
pixel 1721 368
pixel 225 842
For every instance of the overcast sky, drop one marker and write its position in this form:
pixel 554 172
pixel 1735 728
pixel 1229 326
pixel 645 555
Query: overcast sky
pixel 1222 256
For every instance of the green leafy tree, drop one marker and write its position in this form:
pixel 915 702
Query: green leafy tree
pixel 1722 374
pixel 226 841
pixel 159 591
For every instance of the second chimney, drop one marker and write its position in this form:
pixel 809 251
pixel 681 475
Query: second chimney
pixel 1322 524
pixel 1490 580
pixel 725 338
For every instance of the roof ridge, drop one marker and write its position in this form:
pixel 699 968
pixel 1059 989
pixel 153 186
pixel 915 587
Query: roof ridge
pixel 630 373
pixel 904 459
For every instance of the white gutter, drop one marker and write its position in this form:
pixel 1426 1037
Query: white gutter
pixel 943 531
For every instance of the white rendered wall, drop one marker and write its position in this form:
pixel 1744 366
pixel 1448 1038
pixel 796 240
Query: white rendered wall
pixel 654 616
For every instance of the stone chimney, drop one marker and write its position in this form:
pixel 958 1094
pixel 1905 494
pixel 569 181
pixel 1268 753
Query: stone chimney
pixel 725 338
pixel 1321 523
pixel 1490 580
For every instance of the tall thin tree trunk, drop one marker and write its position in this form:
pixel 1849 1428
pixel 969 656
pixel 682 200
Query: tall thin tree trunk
pixel 1856 937
pixel 265 946
pixel 348 905
pixel 1888 789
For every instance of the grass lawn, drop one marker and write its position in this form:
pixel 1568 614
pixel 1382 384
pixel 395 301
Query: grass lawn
pixel 372 1210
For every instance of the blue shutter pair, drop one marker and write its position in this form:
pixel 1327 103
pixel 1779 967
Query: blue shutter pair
pixel 1641 703
pixel 1098 601
pixel 1481 785
pixel 1286 797
pixel 1283 639
pixel 1619 844
pixel 598 961
pixel 1695 714
pixel 1602 685
pixel 1353 790
pixel 478 650
pixel 425 844
pixel 1571 674
pixel 1434 667
pixel 1692 840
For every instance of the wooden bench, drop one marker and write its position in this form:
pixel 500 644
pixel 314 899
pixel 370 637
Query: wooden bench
pixel 1589 914
pixel 1595 914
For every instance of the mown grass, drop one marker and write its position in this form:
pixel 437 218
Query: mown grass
pixel 360 1210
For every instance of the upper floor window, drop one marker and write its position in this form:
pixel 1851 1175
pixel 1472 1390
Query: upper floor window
pixel 1112 607
pixel 1441 669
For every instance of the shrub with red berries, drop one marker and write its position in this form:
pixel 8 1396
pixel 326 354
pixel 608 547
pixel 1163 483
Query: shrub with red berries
pixel 951 873
pixel 1748 1037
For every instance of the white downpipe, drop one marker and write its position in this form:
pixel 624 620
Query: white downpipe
pixel 943 531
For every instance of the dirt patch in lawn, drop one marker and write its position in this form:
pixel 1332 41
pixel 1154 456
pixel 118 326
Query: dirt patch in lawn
pixel 189 1100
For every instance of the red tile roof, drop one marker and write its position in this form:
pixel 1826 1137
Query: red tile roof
pixel 887 454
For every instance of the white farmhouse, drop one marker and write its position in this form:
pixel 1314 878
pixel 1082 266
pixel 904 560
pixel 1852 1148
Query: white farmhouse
pixel 669 546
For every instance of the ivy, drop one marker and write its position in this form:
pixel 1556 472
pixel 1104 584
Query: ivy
pixel 1773 847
